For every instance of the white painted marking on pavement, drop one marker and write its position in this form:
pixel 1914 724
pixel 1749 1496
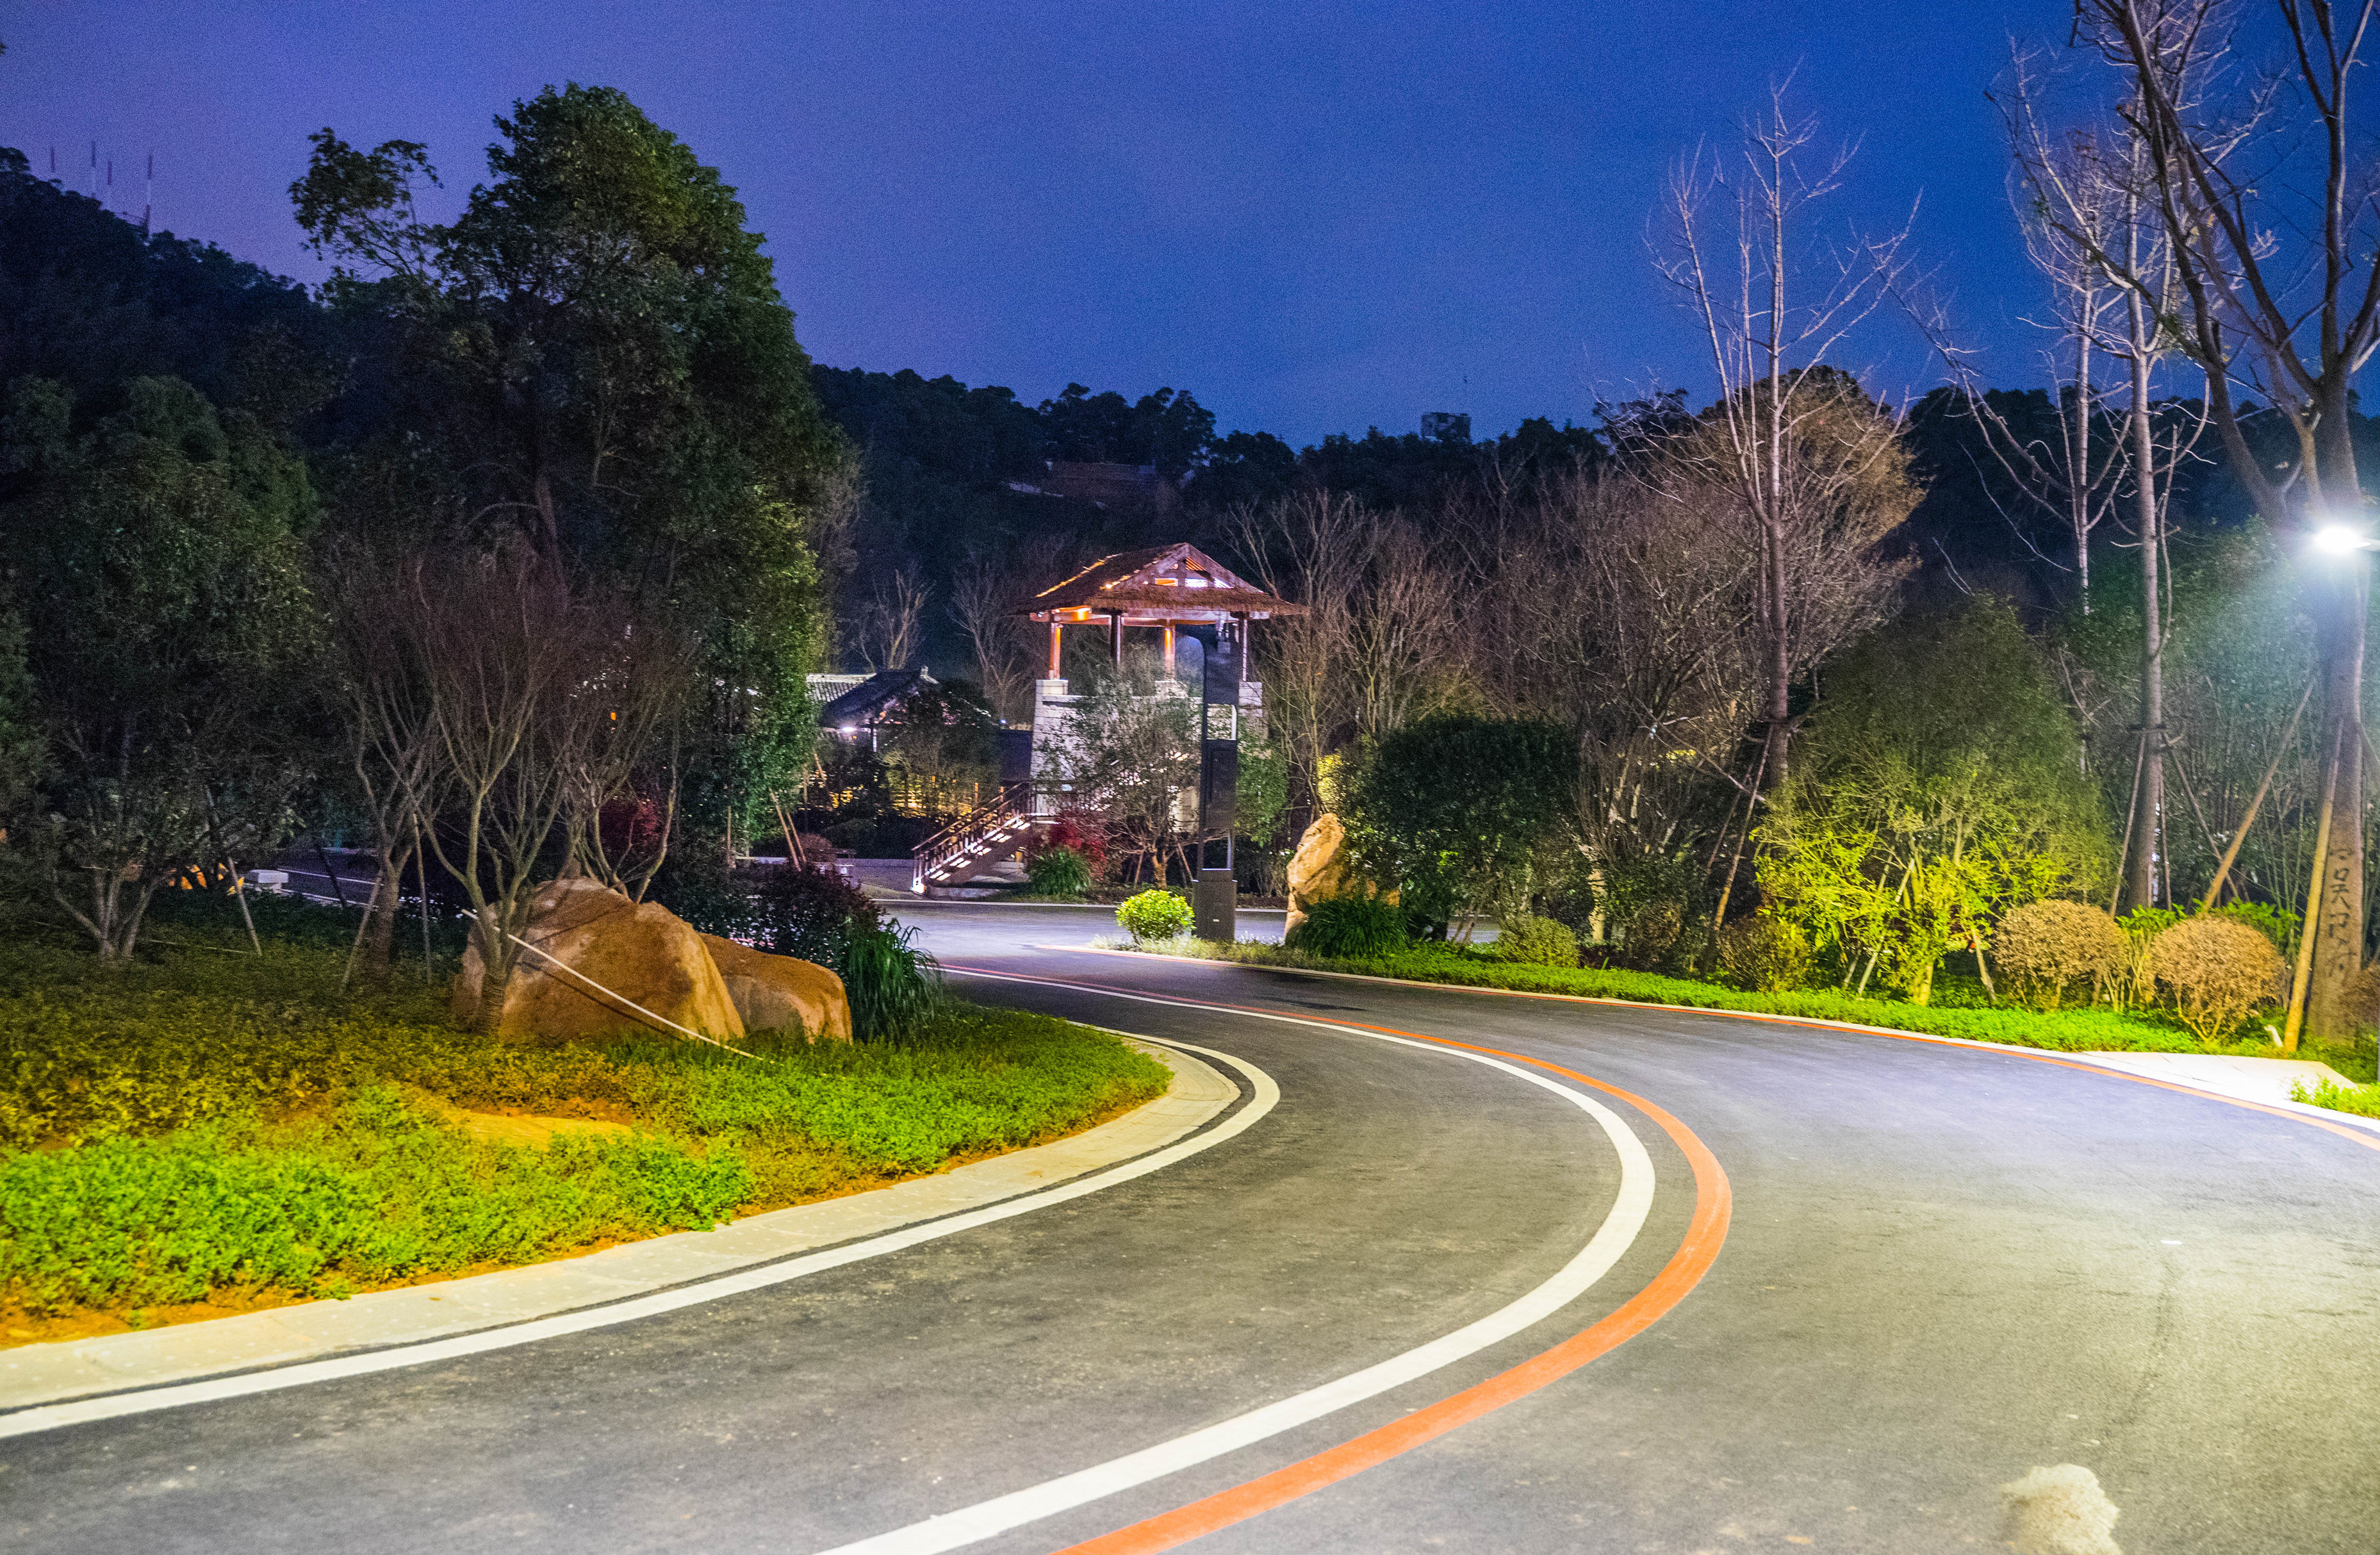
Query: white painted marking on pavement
pixel 50 1416
pixel 966 1525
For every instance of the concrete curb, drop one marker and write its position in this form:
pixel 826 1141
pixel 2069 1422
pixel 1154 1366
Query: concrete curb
pixel 37 1374
pixel 2255 1082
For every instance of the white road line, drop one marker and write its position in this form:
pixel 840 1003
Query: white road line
pixel 966 1525
pixel 50 1416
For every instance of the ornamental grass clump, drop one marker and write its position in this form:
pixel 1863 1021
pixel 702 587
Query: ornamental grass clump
pixel 1535 942
pixel 1764 953
pixel 2216 970
pixel 1354 928
pixel 893 986
pixel 2051 951
pixel 1153 915
pixel 1059 872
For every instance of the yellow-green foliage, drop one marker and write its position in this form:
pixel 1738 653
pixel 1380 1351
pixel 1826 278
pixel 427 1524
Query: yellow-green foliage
pixel 2216 970
pixel 2048 952
pixel 1154 914
pixel 1536 941
pixel 1936 790
pixel 1765 952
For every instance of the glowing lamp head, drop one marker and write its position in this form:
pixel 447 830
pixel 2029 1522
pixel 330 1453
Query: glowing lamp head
pixel 2340 540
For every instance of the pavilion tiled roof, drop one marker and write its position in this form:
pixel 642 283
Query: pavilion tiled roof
pixel 1168 583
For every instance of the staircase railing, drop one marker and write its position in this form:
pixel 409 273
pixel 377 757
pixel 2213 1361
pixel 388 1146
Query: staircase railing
pixel 974 834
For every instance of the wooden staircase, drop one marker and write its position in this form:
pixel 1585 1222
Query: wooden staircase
pixel 953 853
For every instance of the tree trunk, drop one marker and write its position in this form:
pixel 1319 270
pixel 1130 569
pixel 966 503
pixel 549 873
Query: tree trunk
pixel 2139 885
pixel 497 959
pixel 379 926
pixel 2077 465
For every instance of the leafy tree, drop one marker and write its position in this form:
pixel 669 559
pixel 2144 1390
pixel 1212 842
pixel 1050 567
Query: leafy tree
pixel 1456 808
pixel 595 356
pixel 1942 785
pixel 153 544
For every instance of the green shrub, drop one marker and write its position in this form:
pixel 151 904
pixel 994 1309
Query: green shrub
pixel 1535 942
pixel 1653 934
pixel 2216 969
pixel 813 914
pixel 2048 951
pixel 1350 926
pixel 892 984
pixel 1154 914
pixel 1059 872
pixel 1765 954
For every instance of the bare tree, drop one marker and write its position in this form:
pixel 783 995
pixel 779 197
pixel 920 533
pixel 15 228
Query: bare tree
pixel 632 692
pixel 2092 208
pixel 886 631
pixel 519 677
pixel 1379 641
pixel 391 742
pixel 2264 186
pixel 1786 438
pixel 988 601
pixel 2069 210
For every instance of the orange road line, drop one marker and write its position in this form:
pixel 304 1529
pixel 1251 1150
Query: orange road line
pixel 1706 1232
pixel 2368 1140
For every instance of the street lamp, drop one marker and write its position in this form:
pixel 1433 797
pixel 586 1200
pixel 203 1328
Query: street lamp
pixel 2343 540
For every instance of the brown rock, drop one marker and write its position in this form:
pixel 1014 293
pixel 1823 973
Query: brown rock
pixel 1321 870
pixel 640 952
pixel 782 990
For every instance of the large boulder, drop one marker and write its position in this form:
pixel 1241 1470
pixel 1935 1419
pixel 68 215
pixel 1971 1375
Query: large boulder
pixel 782 990
pixel 1321 870
pixel 617 953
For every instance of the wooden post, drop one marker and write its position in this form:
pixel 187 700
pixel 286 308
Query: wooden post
pixel 1169 651
pixel 2294 1022
pixel 1115 638
pixel 1054 630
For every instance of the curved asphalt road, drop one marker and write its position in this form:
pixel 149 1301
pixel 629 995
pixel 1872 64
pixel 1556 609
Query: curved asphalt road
pixel 1946 1267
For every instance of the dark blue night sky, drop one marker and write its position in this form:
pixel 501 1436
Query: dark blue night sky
pixel 1315 218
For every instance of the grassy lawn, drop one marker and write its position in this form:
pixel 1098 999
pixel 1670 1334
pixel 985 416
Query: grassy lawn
pixel 209 1132
pixel 2091 1030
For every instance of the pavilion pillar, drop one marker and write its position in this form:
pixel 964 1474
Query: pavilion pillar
pixel 1054 630
pixel 1115 638
pixel 1169 652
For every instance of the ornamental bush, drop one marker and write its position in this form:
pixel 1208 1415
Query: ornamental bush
pixel 812 914
pixel 2051 951
pixel 1764 953
pixel 1652 934
pixel 1060 872
pixel 1536 941
pixel 1354 927
pixel 1154 914
pixel 2215 969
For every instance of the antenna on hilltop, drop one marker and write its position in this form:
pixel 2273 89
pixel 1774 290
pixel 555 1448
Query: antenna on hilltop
pixel 148 194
